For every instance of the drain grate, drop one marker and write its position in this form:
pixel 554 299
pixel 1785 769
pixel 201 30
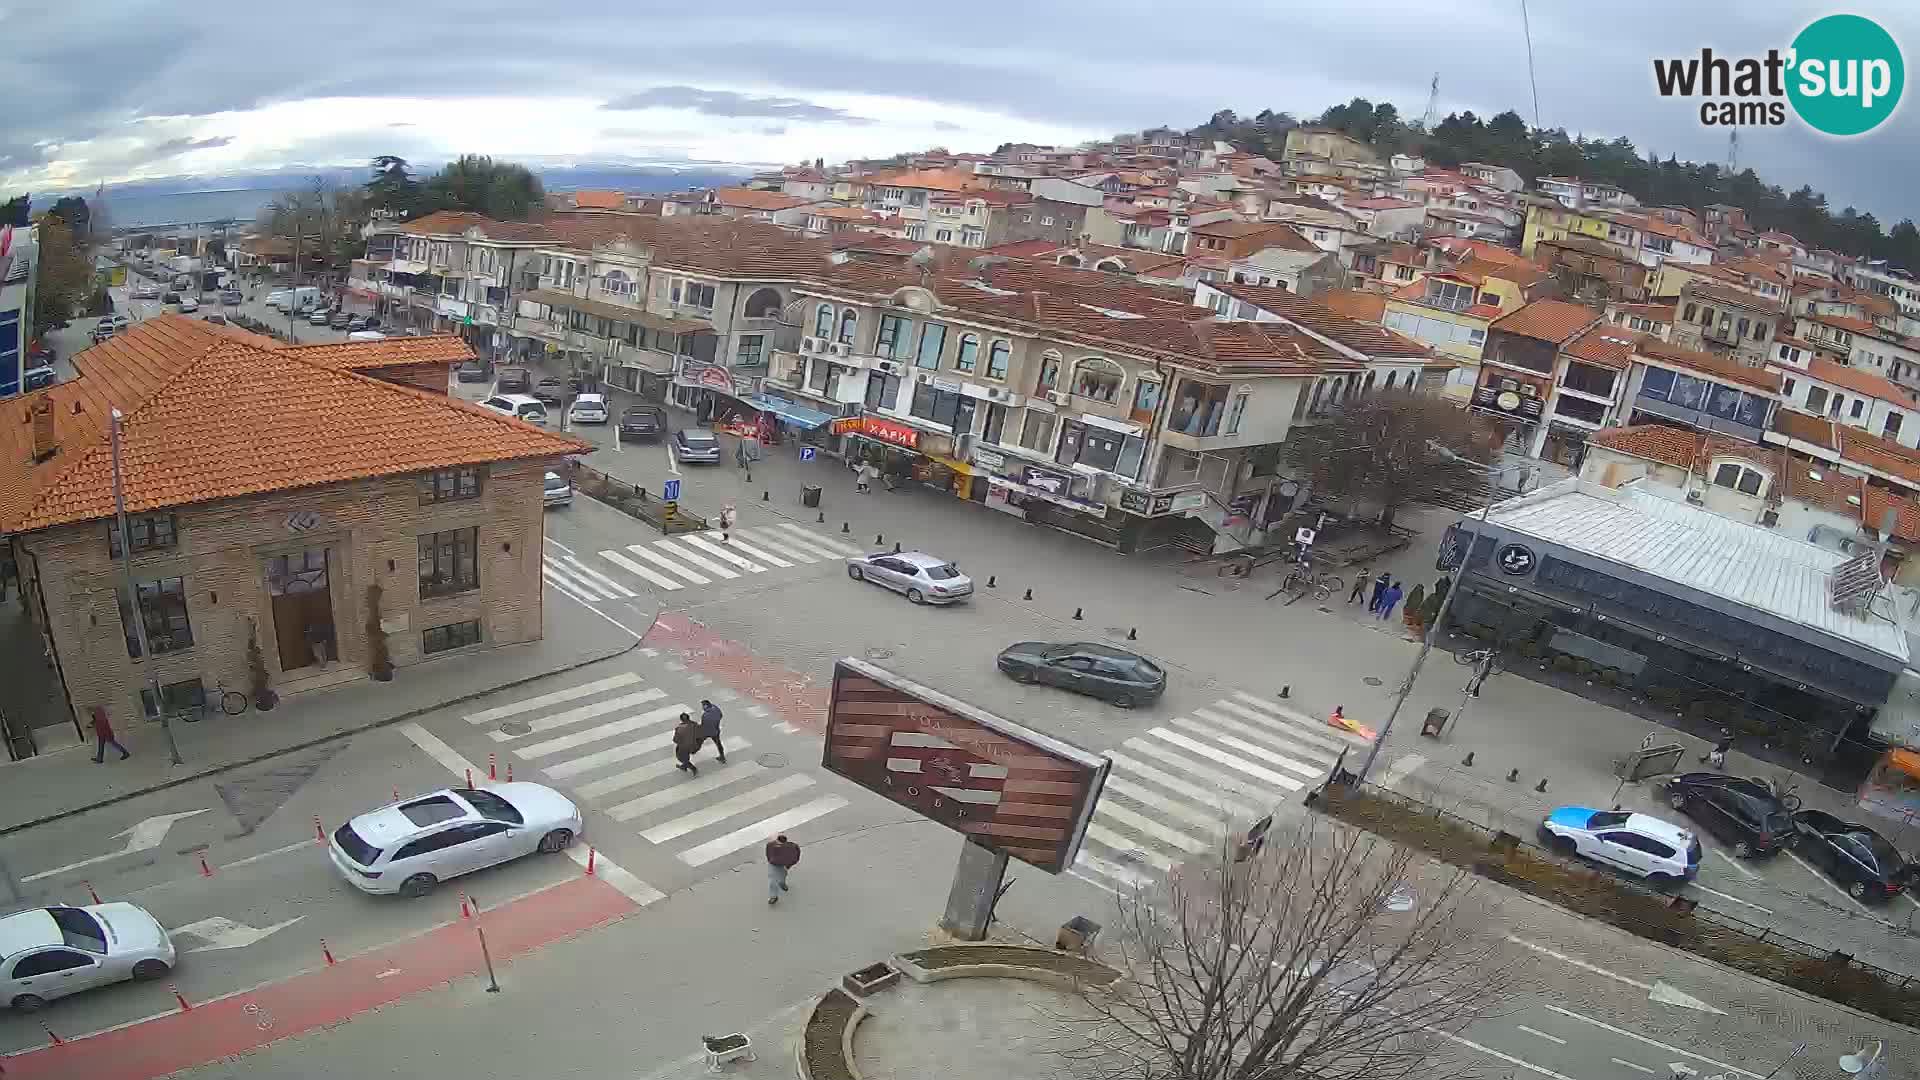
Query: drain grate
pixel 1372 680
pixel 772 761
pixel 879 654
pixel 516 727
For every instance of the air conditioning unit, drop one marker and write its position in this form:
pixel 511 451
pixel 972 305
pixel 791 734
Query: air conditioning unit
pixel 809 344
pixel 922 377
pixel 887 367
pixel 1695 496
pixel 996 393
pixel 840 348
pixel 1058 397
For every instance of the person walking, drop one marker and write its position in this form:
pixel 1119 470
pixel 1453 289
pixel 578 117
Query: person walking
pixel 1388 599
pixel 1379 589
pixel 1359 586
pixel 1716 757
pixel 710 728
pixel 782 855
pixel 727 518
pixel 103 730
pixel 686 739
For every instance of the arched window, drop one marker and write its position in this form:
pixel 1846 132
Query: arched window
pixel 616 283
pixel 1098 378
pixel 763 304
pixel 1314 406
pixel 1391 375
pixel 1069 260
pixel 1333 392
pixel 997 360
pixel 823 321
pixel 969 353
pixel 1368 388
pixel 848 320
pixel 1049 372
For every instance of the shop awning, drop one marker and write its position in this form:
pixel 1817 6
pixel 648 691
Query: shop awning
pixel 614 312
pixel 788 411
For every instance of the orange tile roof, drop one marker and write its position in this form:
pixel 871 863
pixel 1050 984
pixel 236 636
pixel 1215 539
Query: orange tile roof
pixel 1850 325
pixel 1547 320
pixel 1359 304
pixel 1674 446
pixel 443 222
pixel 1722 294
pixel 1364 337
pixel 1606 345
pixel 1025 249
pixel 600 200
pixel 1859 381
pixel 1860 447
pixel 931 179
pixel 1655 312
pixel 755 199
pixel 1879 500
pixel 1806 428
pixel 1818 484
pixel 208 417
pixel 1720 367
pixel 392 352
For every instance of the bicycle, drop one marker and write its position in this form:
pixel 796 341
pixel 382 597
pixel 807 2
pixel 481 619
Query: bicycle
pixel 218 699
pixel 1303 580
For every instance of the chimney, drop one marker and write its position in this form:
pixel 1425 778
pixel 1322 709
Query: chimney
pixel 40 415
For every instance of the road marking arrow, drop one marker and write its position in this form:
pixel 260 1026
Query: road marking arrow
pixel 1656 991
pixel 220 933
pixel 143 836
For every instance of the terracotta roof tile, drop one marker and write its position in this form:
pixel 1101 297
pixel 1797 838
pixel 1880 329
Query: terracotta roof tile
pixel 1850 325
pixel 1722 294
pixel 1882 455
pixel 1547 320
pixel 1720 367
pixel 1356 304
pixel 1859 381
pixel 210 417
pixel 1818 484
pixel 393 352
pixel 1806 428
pixel 1364 337
pixel 755 199
pixel 1674 446
pixel 600 200
pixel 1606 345
pixel 1879 500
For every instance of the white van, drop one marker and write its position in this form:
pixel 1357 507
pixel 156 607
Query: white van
pixel 304 298
pixel 278 298
pixel 366 335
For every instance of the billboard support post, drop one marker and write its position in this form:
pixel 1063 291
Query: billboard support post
pixel 976 888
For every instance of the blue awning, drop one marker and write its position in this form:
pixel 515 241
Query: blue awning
pixel 789 411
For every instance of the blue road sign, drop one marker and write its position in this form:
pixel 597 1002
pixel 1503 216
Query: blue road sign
pixel 671 491
pixel 806 453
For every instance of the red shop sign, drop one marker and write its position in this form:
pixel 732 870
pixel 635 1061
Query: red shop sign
pixel 888 431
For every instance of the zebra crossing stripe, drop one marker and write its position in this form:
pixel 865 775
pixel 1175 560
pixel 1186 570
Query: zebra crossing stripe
pixel 1312 723
pixel 603 731
pixel 1239 785
pixel 623 752
pixel 1132 879
pixel 1224 758
pixel 1286 743
pixel 694 557
pixel 1309 771
pixel 723 810
pixel 1146 826
pixel 557 697
pixel 759 831
pixel 641 572
pixel 1137 768
pixel 553 579
pixel 578 581
pixel 1325 736
pixel 1113 841
pixel 771 539
pixel 1214 824
pixel 713 776
pixel 831 547
pixel 720 551
pixel 667 564
pixel 600 580
pixel 583 712
pixel 609 784
pixel 739 544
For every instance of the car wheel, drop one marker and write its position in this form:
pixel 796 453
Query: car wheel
pixel 150 969
pixel 1022 675
pixel 28 1002
pixel 914 597
pixel 1743 849
pixel 1857 890
pixel 1123 701
pixel 1562 844
pixel 854 573
pixel 557 840
pixel 1677 800
pixel 418 885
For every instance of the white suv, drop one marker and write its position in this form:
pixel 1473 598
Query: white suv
pixel 521 406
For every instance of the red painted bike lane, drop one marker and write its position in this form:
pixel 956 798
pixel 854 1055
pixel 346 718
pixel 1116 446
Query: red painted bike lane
pixel 245 1021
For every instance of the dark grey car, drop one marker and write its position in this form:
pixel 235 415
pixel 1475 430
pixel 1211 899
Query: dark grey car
pixel 643 422
pixel 695 446
pixel 1101 671
pixel 923 578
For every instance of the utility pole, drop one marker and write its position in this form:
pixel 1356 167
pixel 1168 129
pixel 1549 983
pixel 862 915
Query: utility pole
pixel 133 593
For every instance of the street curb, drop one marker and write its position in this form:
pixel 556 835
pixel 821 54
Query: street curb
pixel 399 718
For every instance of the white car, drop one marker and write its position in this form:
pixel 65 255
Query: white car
pixel 188 303
pixel 523 406
pixel 1643 846
pixel 587 409
pixel 410 846
pixel 51 952
pixel 558 490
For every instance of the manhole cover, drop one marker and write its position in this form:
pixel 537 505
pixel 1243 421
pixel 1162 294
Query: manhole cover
pixel 516 727
pixel 1371 681
pixel 772 761
pixel 879 654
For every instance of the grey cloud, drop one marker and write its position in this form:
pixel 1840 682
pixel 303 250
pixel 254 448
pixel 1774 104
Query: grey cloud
pixel 730 104
pixel 181 145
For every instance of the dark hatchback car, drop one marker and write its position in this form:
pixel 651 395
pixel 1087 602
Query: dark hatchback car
pixel 1860 860
pixel 549 391
pixel 513 380
pixel 1099 671
pixel 471 371
pixel 1744 813
pixel 644 423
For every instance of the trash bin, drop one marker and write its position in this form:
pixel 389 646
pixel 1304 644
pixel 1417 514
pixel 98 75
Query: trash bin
pixel 1076 934
pixel 810 495
pixel 1435 724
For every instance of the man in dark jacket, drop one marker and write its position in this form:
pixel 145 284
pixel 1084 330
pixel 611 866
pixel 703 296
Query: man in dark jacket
pixel 782 856
pixel 1379 588
pixel 710 727
pixel 103 730
pixel 686 739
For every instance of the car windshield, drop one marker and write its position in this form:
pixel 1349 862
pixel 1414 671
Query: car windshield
pixel 1607 819
pixel 555 483
pixel 79 930
pixel 941 573
pixel 492 807
pixel 432 810
pixel 357 849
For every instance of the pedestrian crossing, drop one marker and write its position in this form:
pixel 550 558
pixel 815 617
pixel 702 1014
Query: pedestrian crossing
pixel 609 742
pixel 1187 786
pixel 688 561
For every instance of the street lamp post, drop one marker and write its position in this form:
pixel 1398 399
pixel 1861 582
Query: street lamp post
pixel 133 593
pixel 1439 619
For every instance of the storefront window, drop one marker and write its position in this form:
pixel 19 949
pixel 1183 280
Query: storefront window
pixel 933 338
pixel 1037 433
pixel 823 321
pixel 896 334
pixel 997 358
pixel 968 354
pixel 163 610
pixel 1098 378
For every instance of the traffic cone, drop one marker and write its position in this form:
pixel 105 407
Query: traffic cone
pixel 181 998
pixel 590 856
pixel 466 912
pixel 319 831
pixel 326 952
pixel 509 772
pixel 493 765
pixel 89 887
pixel 205 870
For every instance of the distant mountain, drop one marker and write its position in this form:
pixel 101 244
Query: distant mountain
pixel 557 177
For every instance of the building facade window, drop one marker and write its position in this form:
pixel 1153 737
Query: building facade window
pixel 752 351
pixel 1739 477
pixel 145 532
pixel 896 335
pixel 163 612
pixel 1098 378
pixel 883 390
pixel 933 339
pixel 1816 399
pixel 997 359
pixel 1238 410
pixel 848 322
pixel 175 698
pixel 823 322
pixel 996 423
pixel 450 485
pixel 968 354
pixel 1891 427
pixel 939 406
pixel 447 562
pixel 1037 433
pixel 439 639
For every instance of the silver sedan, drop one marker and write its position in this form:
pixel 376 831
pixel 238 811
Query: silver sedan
pixel 926 579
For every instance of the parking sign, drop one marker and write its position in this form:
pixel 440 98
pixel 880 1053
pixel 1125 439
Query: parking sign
pixel 671 491
pixel 806 453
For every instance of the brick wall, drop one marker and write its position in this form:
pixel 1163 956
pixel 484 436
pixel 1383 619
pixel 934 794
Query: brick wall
pixel 371 529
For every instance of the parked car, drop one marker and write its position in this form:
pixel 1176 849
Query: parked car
pixel 366 335
pixel 1856 857
pixel 1742 812
pixel 38 378
pixel 513 380
pixel 341 320
pixel 231 298
pixel 319 317
pixel 517 405
pixel 1100 671
pixel 558 490
pixel 169 297
pixel 109 326
pixel 587 409
pixel 643 422
pixel 188 303
pixel 410 846
pixel 50 952
pixel 217 319
pixel 1641 845
pixel 692 446
pixel 550 390
pixel 471 371
pixel 357 322
pixel 924 578
pixel 145 292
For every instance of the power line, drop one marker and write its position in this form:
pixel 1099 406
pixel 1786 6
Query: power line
pixel 1527 24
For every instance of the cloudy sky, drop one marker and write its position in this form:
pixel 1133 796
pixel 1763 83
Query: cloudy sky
pixel 112 90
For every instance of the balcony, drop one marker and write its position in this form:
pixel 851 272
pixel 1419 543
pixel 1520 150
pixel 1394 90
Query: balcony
pixel 1695 418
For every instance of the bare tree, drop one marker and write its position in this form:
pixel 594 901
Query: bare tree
pixel 1377 447
pixel 1324 953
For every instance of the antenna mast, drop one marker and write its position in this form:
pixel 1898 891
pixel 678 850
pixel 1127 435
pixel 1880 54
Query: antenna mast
pixel 1433 103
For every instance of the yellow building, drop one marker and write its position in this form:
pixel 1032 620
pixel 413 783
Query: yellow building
pixel 1554 222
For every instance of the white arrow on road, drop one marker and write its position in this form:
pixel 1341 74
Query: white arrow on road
pixel 1656 991
pixel 141 837
pixel 220 933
